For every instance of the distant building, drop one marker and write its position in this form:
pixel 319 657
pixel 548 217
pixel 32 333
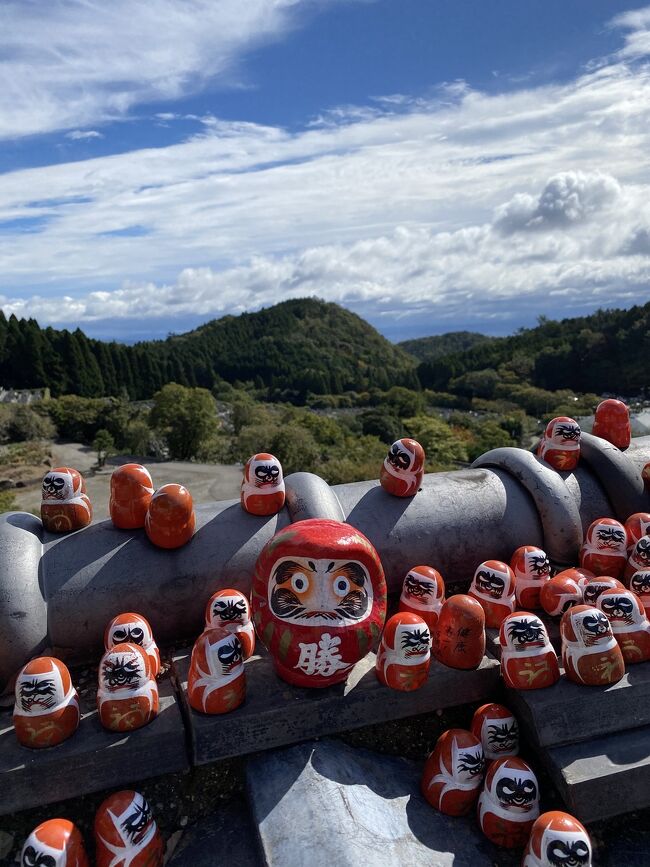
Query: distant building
pixel 25 395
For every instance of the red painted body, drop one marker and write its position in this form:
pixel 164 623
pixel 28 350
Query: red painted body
pixel 404 654
pixel 528 660
pixel 612 423
pixel 46 711
pixel 170 520
pixel 497 729
pixel 605 548
pixel 127 693
pixel 532 569
pixel 262 488
pixel 64 504
pixel 640 585
pixel 131 493
pixel 131 628
pixel 493 586
pixel 423 593
pixel 453 773
pixel 639 559
pixel 318 600
pixel 126 834
pixel 216 681
pixel 593 587
pixel 629 623
pixel 560 445
pixel 590 654
pixel 459 634
pixel 403 468
pixel 230 610
pixel 561 592
pixel 637 526
pixel 509 802
pixel 55 843
pixel 557 840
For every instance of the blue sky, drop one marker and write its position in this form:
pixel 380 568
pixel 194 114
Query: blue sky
pixel 431 165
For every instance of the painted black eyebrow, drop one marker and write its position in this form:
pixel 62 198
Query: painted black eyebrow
pixel 284 570
pixel 355 573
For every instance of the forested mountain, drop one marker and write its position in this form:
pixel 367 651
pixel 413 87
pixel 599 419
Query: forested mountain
pixel 428 348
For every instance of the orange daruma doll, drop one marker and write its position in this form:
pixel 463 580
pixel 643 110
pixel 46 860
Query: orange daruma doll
pixel 170 520
pixel 126 834
pixel 131 493
pixel 46 711
pixel 64 504
pixel 55 843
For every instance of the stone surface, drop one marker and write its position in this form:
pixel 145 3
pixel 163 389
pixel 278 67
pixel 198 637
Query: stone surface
pixel 325 803
pixel 275 713
pixel 309 496
pixel 92 759
pixel 227 837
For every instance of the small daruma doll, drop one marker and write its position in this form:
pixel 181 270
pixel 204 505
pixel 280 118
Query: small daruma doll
pixel 127 694
pixel 133 628
pixel 560 445
pixel 509 802
pixel 493 586
pixel 318 600
pixel 637 526
pixel 170 520
pixel 126 834
pixel 594 587
pixel 262 488
pixel 423 593
pixel 55 843
pixel 453 773
pixel 403 468
pixel 604 551
pixel 532 568
pixel 640 586
pixel 216 682
pixel 459 634
pixel 557 840
pixel 497 729
pixel 639 560
pixel 46 711
pixel 131 492
pixel 561 592
pixel 527 659
pixel 612 423
pixel 629 623
pixel 230 610
pixel 404 653
pixel 590 654
pixel 64 504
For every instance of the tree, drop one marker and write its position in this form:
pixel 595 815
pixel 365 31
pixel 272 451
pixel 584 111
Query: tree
pixel 186 417
pixel 103 445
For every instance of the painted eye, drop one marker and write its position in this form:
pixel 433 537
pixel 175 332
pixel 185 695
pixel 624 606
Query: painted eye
pixel 119 635
pixel 299 582
pixel 137 634
pixel 341 586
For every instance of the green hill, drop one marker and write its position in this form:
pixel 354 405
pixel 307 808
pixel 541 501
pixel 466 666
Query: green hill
pixel 429 348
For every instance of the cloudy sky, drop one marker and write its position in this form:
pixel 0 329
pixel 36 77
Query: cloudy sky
pixel 433 165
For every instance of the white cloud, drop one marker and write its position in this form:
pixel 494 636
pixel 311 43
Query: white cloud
pixel 79 135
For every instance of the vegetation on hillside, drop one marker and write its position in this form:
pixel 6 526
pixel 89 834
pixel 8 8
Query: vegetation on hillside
pixel 439 345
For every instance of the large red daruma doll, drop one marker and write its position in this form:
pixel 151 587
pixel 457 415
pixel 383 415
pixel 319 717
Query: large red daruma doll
pixel 604 551
pixel 629 623
pixel 453 773
pixel 64 504
pixel 612 423
pixel 403 468
pixel 497 729
pixel 423 593
pixel 509 802
pixel 557 840
pixel 216 682
pixel 126 834
pixel 55 843
pixel 131 492
pixel 46 711
pixel 130 628
pixel 404 654
pixel 262 488
pixel 170 519
pixel 127 693
pixel 532 568
pixel 493 586
pixel 560 445
pixel 230 610
pixel 528 660
pixel 318 600
pixel 590 654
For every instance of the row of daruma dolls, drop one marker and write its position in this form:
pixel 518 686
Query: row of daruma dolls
pixel 124 830
pixel 480 767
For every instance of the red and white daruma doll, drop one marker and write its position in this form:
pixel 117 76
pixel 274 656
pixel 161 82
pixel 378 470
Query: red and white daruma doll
pixel 629 623
pixel 318 600
pixel 403 468
pixel 64 504
pixel 557 840
pixel 497 729
pixel 560 445
pixel 532 568
pixel 528 660
pixel 46 711
pixel 170 519
pixel 612 423
pixel 404 654
pixel 453 773
pixel 126 834
pixel 639 559
pixel 216 682
pixel 580 575
pixel 493 586
pixel 593 588
pixel 55 843
pixel 637 526
pixel 561 592
pixel 423 593
pixel 509 802
pixel 127 693
pixel 640 586
pixel 590 654
pixel 130 628
pixel 604 551
pixel 230 610
pixel 262 488
pixel 459 634
pixel 131 492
